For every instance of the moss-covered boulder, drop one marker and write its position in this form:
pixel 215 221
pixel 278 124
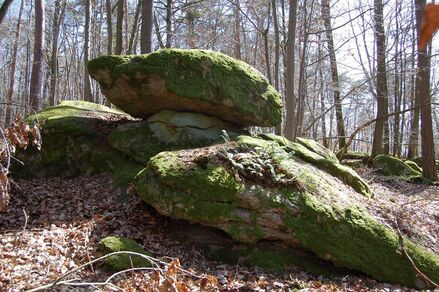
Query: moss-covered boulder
pixel 392 166
pixel 256 190
pixel 122 261
pixel 74 135
pixel 169 130
pixel 188 80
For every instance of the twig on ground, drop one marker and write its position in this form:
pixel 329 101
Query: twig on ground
pixel 401 240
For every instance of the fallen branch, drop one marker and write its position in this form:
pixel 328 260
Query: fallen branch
pixel 173 265
pixel 401 240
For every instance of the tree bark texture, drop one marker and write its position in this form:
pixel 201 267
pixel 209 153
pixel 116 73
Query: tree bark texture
pixel 429 169
pixel 379 138
pixel 146 28
pixel 36 81
pixel 290 99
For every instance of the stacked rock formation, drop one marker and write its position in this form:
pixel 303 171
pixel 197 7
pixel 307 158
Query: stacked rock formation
pixel 190 158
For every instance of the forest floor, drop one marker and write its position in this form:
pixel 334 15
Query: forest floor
pixel 53 226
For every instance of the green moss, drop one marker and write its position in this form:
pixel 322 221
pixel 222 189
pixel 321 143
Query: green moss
pixel 358 242
pixel 413 165
pixel 393 166
pixel 205 75
pixel 123 261
pixel 344 173
pixel 317 148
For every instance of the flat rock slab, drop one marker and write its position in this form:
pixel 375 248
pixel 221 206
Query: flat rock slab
pixel 188 80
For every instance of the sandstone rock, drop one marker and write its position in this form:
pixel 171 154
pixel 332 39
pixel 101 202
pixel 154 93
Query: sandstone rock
pixel 390 165
pixel 188 80
pixel 169 130
pixel 74 137
pixel 254 190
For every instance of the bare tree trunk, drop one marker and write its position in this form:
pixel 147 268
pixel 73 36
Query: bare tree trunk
pixel 8 118
pixel 379 138
pixel 57 19
pixel 290 99
pixel 88 96
pixel 429 169
pixel 134 30
pixel 157 32
pixel 414 126
pixel 276 44
pixel 4 9
pixel 326 15
pixel 109 27
pixel 119 27
pixel 278 129
pixel 146 29
pixel 237 30
pixel 36 81
pixel 168 23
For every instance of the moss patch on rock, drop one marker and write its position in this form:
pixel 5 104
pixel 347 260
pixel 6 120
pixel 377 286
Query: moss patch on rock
pixel 121 262
pixel 188 80
pixel 328 162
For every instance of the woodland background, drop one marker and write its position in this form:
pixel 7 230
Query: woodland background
pixel 338 64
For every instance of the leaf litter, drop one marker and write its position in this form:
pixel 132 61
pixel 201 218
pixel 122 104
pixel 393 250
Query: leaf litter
pixel 53 226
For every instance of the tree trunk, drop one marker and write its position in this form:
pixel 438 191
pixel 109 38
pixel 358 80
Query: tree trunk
pixel 119 27
pixel 278 129
pixel 290 99
pixel 414 126
pixel 36 81
pixel 237 30
pixel 146 29
pixel 379 138
pixel 133 34
pixel 8 118
pixel 4 9
pixel 326 15
pixel 168 23
pixel 57 17
pixel 88 96
pixel 429 169
pixel 109 27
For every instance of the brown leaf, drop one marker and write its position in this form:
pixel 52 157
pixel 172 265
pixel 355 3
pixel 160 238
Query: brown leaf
pixel 429 25
pixel 181 287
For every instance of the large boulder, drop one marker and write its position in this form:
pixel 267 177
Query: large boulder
pixel 188 80
pixel 255 190
pixel 74 137
pixel 393 166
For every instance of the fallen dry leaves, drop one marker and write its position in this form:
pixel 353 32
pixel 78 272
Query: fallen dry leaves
pixel 52 226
